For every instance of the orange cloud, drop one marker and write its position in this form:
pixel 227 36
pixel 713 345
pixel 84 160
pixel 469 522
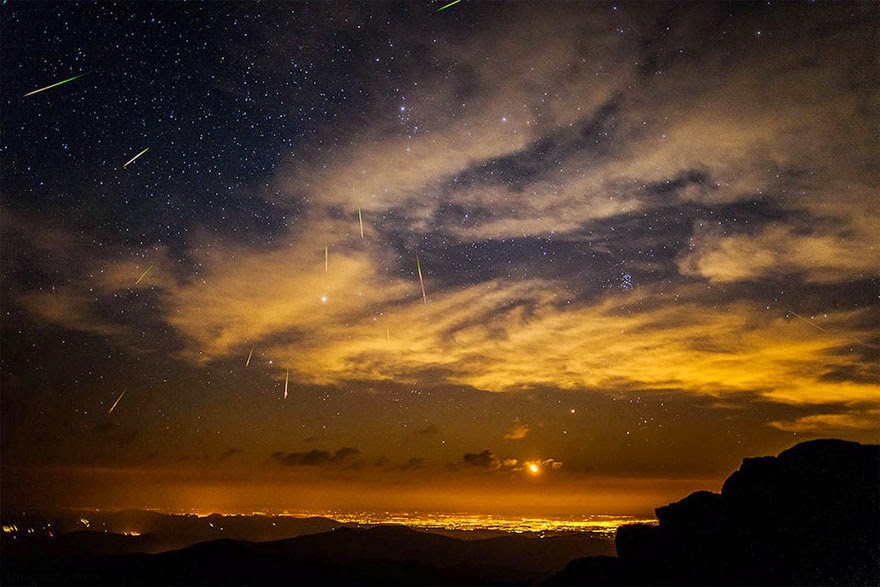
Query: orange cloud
pixel 832 423
pixel 501 336
pixel 821 256
pixel 518 432
pixel 357 322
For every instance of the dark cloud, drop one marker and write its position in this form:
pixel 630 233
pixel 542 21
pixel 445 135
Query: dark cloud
pixel 412 464
pixel 428 430
pixel 317 458
pixel 483 460
pixel 111 432
pixel 345 454
pixel 861 374
pixel 229 454
pixel 594 134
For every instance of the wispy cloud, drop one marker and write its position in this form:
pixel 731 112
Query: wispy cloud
pixel 832 423
pixel 518 432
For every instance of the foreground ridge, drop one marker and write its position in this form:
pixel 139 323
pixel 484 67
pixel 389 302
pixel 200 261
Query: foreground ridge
pixel 810 516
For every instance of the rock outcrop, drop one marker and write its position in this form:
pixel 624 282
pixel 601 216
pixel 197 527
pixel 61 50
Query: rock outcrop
pixel 810 516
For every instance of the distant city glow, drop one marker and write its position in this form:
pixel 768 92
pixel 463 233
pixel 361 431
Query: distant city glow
pixel 605 525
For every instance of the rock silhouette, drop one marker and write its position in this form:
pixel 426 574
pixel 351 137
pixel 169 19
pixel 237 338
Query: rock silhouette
pixel 810 516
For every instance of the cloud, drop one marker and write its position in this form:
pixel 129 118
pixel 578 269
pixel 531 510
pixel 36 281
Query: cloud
pixel 553 464
pixel 429 430
pixel 518 432
pixel 317 458
pixel 820 255
pixel 862 420
pixel 114 433
pixel 482 460
pixel 398 155
pixel 487 460
pixel 545 162
pixel 496 158
pixel 357 323
pixel 228 454
pixel 412 464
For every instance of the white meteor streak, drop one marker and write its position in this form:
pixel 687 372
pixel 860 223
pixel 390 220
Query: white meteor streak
pixel 810 322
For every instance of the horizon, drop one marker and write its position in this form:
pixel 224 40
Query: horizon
pixel 544 261
pixel 596 525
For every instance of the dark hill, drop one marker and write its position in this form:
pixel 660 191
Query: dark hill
pixel 77 544
pixel 172 531
pixel 810 516
pixel 381 555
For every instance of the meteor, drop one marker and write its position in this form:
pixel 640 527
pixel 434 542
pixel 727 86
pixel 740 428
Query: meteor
pixel 250 354
pixel 116 402
pixel 135 157
pixel 810 322
pixel 144 274
pixel 326 256
pixel 361 220
pixel 70 79
pixel 421 281
pixel 286 381
pixel 448 5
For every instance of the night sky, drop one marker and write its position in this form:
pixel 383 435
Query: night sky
pixel 648 236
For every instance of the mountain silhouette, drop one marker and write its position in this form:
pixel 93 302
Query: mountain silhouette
pixel 380 555
pixel 810 516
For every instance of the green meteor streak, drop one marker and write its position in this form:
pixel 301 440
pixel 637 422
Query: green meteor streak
pixel 448 5
pixel 421 281
pixel 135 157
pixel 54 85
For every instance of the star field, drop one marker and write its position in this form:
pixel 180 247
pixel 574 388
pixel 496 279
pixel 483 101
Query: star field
pixel 576 257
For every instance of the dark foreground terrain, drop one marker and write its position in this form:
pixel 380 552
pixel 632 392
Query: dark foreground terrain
pixel 810 516
pixel 346 555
